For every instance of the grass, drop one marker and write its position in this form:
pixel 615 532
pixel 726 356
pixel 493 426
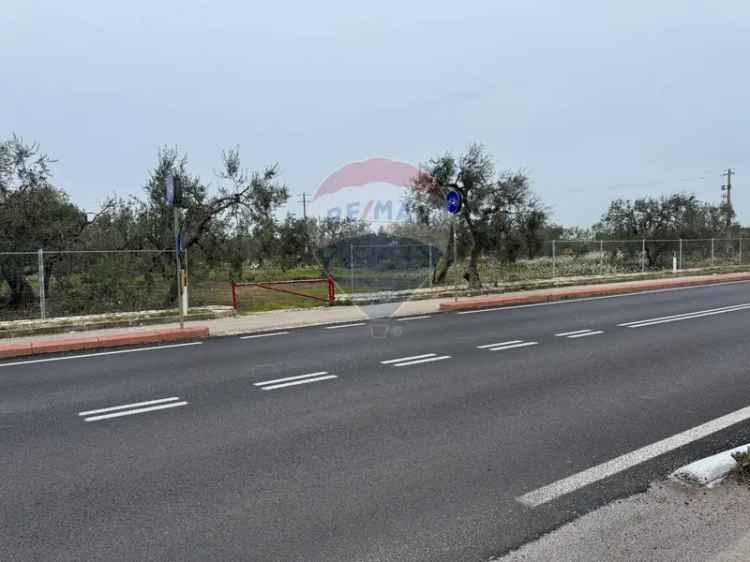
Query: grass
pixel 743 465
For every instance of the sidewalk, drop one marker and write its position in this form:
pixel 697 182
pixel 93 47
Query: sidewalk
pixel 287 319
pixel 668 523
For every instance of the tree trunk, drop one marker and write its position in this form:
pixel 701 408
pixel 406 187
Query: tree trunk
pixel 445 262
pixel 472 270
pixel 21 293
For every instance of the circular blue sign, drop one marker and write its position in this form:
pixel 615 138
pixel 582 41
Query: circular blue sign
pixel 453 202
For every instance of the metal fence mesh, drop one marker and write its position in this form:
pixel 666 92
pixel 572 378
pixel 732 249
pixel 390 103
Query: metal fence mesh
pixel 44 284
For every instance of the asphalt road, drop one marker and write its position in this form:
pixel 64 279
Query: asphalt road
pixel 393 441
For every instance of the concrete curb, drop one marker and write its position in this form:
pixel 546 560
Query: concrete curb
pixel 36 347
pixel 710 471
pixel 545 295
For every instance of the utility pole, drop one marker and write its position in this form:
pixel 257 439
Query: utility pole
pixel 304 206
pixel 727 188
pixel 304 218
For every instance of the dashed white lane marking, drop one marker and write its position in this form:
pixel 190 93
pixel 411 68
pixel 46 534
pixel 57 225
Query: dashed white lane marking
pixel 420 361
pixel 685 316
pixel 629 460
pixel 339 327
pixel 100 354
pixel 126 406
pixel 410 318
pixel 269 335
pixel 586 334
pixel 295 381
pixel 514 346
pixel 487 346
pixel 412 358
pixel 132 409
pixel 587 299
pixel 565 334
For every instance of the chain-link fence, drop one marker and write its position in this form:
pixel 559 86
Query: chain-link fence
pixel 48 284
pixel 387 267
pixel 587 258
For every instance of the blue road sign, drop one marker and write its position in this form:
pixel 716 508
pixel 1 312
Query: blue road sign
pixel 453 202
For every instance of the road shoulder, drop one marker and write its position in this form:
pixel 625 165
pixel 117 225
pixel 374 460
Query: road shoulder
pixel 669 522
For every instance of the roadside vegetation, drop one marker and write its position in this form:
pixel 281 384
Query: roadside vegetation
pixel 119 257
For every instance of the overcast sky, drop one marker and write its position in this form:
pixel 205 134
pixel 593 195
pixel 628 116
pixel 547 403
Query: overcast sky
pixel 594 99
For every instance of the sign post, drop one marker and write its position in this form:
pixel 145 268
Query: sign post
pixel 453 204
pixel 174 199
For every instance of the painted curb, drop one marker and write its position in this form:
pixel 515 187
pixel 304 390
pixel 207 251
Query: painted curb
pixel 542 295
pixel 38 347
pixel 710 471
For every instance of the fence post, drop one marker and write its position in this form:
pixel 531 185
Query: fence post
pixel 712 252
pixel 740 254
pixel 643 256
pixel 351 269
pixel 42 296
pixel 429 248
pixel 601 257
pixel 554 260
pixel 234 296
pixel 331 289
pixel 681 267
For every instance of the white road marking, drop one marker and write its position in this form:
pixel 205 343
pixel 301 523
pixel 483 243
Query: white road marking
pixel 487 346
pixel 136 411
pixel 574 301
pixel 262 383
pixel 345 326
pixel 296 383
pixel 101 354
pixel 430 360
pixel 263 335
pixel 126 406
pixel 515 346
pixel 409 318
pixel 565 334
pixel 390 361
pixel 586 334
pixel 686 316
pixel 629 460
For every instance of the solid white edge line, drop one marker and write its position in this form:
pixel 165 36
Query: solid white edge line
pixel 644 323
pixel 487 346
pixel 263 383
pixel 412 318
pixel 274 387
pixel 565 334
pixel 686 314
pixel 138 411
pixel 605 470
pixel 516 346
pixel 345 326
pixel 574 301
pixel 430 360
pixel 390 361
pixel 100 354
pixel 263 335
pixel 126 406
pixel 587 334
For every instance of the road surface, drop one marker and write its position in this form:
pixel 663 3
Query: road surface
pixel 450 437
